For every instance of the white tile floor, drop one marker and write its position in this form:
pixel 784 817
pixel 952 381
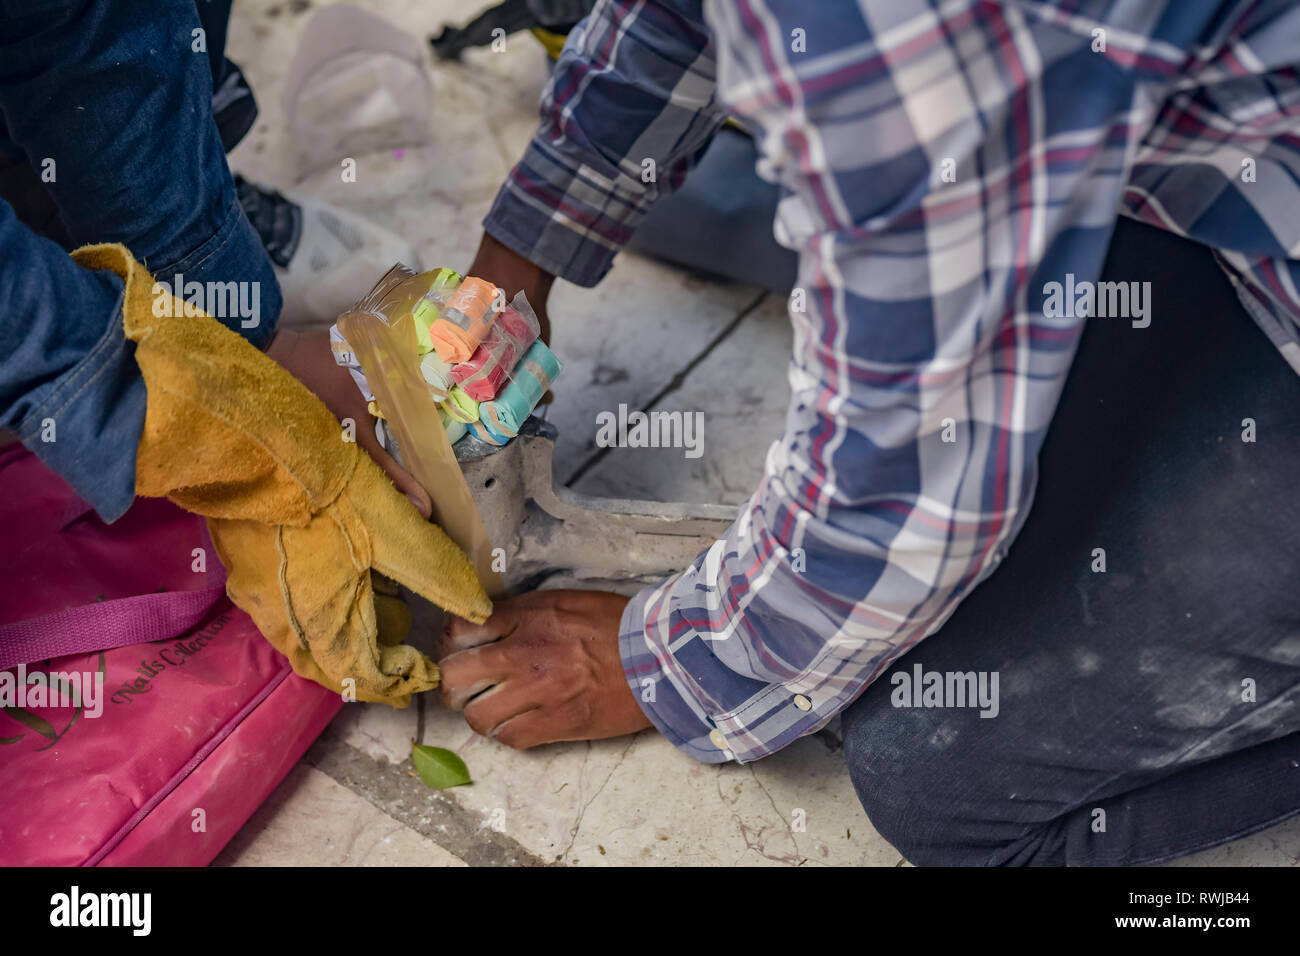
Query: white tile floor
pixel 354 799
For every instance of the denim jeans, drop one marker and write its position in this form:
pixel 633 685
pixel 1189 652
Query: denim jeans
pixel 1152 708
pixel 110 103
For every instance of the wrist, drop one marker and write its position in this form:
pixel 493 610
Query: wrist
pixel 512 273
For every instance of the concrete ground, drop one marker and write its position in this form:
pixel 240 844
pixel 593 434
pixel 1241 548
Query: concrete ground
pixel 354 799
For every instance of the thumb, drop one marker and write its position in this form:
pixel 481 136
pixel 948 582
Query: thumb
pixel 412 551
pixel 402 479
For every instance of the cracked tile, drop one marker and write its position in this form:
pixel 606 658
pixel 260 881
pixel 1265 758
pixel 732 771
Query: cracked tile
pixel 640 801
pixel 664 318
pixel 742 391
pixel 378 730
pixel 1276 846
pixel 310 820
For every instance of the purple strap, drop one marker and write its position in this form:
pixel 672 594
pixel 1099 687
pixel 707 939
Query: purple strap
pixel 108 624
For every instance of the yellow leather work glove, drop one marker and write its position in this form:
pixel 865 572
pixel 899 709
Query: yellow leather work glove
pixel 299 516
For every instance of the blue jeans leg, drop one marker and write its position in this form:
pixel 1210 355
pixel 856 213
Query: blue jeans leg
pixel 110 102
pixel 113 99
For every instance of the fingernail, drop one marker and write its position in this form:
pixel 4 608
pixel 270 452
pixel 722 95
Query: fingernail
pixel 413 500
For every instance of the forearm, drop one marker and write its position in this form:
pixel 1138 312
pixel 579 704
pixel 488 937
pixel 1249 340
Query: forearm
pixel 513 273
pixel 626 114
pixel 925 372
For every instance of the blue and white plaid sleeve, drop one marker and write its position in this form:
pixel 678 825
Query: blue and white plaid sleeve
pixel 948 173
pixel 627 112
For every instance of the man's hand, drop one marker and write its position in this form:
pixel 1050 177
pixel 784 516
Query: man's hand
pixel 511 272
pixel 544 667
pixel 307 356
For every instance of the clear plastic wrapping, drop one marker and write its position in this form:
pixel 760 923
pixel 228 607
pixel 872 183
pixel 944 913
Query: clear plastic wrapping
pixel 381 333
pixel 344 356
pixel 486 372
pixel 460 407
pixel 437 375
pixel 395 342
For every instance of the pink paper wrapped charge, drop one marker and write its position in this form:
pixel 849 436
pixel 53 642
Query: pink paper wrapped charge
pixel 486 372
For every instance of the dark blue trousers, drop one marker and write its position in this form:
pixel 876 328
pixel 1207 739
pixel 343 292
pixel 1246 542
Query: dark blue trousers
pixel 1152 709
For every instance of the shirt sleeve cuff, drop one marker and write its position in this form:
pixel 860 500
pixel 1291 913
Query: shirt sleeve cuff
pixel 663 702
pixel 569 220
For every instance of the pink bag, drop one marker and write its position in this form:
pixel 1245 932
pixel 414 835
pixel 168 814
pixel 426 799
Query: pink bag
pixel 194 729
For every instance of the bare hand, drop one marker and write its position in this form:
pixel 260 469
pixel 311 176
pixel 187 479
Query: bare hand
pixel 544 667
pixel 511 272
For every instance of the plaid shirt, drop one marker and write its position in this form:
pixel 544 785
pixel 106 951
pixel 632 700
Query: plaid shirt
pixel 941 164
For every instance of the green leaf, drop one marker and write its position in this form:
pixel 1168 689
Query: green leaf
pixel 439 768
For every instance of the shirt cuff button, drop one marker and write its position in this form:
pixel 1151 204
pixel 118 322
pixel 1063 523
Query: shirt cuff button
pixel 716 738
pixel 802 702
